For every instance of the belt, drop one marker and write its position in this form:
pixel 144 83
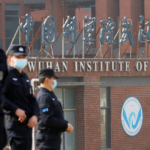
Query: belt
pixel 50 131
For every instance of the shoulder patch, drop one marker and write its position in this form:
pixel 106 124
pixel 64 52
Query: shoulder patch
pixel 45 110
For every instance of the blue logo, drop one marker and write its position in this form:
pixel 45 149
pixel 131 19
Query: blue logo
pixel 132 116
pixel 45 110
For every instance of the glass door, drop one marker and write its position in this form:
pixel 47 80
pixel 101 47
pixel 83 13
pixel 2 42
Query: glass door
pixel 67 98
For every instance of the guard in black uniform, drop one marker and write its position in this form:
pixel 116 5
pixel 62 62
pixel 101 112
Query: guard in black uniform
pixel 51 121
pixel 23 107
pixel 3 74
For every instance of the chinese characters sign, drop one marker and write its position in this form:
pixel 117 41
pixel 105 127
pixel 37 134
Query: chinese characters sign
pixel 70 27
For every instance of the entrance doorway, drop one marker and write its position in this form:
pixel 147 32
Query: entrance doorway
pixel 67 98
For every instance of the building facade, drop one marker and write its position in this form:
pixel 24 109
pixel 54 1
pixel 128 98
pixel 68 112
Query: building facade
pixel 97 80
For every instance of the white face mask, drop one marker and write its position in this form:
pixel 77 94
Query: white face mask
pixel 1 75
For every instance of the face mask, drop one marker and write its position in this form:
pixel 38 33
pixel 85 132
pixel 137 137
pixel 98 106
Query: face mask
pixel 20 63
pixel 54 85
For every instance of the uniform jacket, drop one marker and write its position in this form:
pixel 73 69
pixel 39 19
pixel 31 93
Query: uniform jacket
pixel 18 94
pixel 51 113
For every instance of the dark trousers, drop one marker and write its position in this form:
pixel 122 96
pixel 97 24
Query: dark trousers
pixel 3 138
pixel 21 143
pixel 48 141
pixel 19 135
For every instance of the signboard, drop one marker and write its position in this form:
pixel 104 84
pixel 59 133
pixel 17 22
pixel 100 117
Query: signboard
pixel 89 33
pixel 88 66
pixel 132 116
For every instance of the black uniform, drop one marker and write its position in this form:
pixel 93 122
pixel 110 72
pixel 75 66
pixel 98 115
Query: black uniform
pixel 51 121
pixel 18 94
pixel 3 69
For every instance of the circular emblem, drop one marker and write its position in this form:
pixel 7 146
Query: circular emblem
pixel 132 116
pixel 21 49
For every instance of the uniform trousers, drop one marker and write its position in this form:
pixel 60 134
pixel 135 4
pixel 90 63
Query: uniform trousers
pixel 21 143
pixel 48 141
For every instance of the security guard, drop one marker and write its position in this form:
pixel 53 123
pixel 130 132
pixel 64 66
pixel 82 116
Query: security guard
pixel 3 74
pixel 23 107
pixel 51 121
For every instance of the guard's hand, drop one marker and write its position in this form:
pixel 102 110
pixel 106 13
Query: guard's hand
pixel 70 128
pixel 32 122
pixel 21 114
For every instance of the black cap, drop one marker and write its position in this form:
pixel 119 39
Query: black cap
pixel 17 50
pixel 47 73
pixel 3 61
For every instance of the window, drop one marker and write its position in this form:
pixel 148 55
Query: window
pixel 105 117
pixel 11 23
